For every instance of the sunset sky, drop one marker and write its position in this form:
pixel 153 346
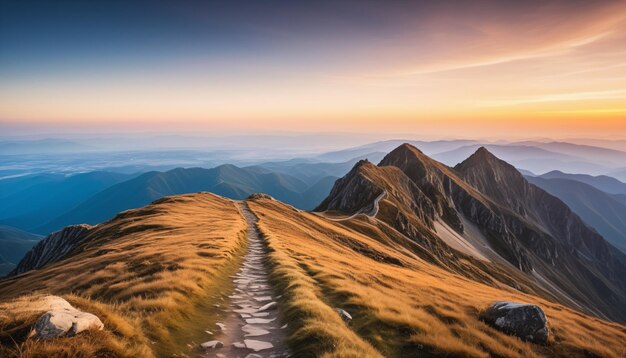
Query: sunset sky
pixel 437 69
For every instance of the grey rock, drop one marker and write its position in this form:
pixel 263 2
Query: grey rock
pixel 64 321
pixel 344 315
pixel 525 321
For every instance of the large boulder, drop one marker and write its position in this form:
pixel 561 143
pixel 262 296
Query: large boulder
pixel 63 319
pixel 522 320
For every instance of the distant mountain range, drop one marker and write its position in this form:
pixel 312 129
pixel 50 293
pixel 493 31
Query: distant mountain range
pixel 14 244
pixel 226 180
pixel 597 208
pixel 30 202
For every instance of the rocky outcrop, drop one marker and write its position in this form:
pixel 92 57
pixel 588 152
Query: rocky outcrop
pixel 63 319
pixel 51 249
pixel 260 196
pixel 526 321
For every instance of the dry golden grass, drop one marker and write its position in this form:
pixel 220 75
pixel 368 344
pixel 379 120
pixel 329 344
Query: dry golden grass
pixel 152 275
pixel 401 304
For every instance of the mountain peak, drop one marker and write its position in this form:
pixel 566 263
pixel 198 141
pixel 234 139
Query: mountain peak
pixel 484 159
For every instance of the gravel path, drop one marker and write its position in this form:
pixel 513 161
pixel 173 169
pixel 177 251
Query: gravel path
pixel 252 328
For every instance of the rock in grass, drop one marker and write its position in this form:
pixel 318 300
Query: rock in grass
pixel 344 315
pixel 212 344
pixel 525 321
pixel 260 196
pixel 64 321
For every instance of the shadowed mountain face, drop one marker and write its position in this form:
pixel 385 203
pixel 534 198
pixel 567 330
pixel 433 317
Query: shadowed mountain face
pixel 14 243
pixel 598 209
pixel 484 208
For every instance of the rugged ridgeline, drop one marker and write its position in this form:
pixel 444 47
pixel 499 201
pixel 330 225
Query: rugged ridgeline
pixel 485 210
pixel 51 249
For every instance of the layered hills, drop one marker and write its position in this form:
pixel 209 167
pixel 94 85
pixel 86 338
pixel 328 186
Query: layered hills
pixel 226 180
pixel 603 211
pixel 14 244
pixel 413 249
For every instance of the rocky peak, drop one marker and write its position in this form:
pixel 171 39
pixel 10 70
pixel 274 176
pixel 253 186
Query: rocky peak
pixel 54 247
pixel 484 161
pixel 355 191
pixel 496 178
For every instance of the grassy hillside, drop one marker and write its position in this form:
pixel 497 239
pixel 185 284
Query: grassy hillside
pixel 152 275
pixel 402 305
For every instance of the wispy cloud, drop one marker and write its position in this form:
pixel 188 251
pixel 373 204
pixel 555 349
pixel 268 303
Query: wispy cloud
pixel 559 97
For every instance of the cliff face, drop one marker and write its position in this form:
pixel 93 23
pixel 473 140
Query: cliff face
pixel 527 228
pixel 507 187
pixel 51 249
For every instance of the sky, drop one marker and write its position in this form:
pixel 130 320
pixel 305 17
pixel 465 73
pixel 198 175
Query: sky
pixel 498 69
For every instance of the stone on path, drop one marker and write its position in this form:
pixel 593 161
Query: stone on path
pixel 257 345
pixel 252 331
pixel 269 306
pixel 259 320
pixel 222 326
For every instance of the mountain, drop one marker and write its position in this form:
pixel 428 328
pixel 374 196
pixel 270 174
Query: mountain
pixel 310 172
pixel 482 207
pixel 528 157
pixel 48 145
pixel 601 182
pixel 225 180
pixel 610 157
pixel 375 151
pixel 14 244
pixel 29 202
pixel 620 198
pixel 179 257
pixel 51 249
pixel 619 174
pixel 595 207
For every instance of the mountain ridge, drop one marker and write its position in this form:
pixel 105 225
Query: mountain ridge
pixel 491 194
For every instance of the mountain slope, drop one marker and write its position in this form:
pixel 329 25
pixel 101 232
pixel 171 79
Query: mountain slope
pixel 601 182
pixel 484 207
pixel 147 268
pixel 401 305
pixel 14 244
pixel 595 207
pixel 226 180
pixel 153 275
pixel 32 201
